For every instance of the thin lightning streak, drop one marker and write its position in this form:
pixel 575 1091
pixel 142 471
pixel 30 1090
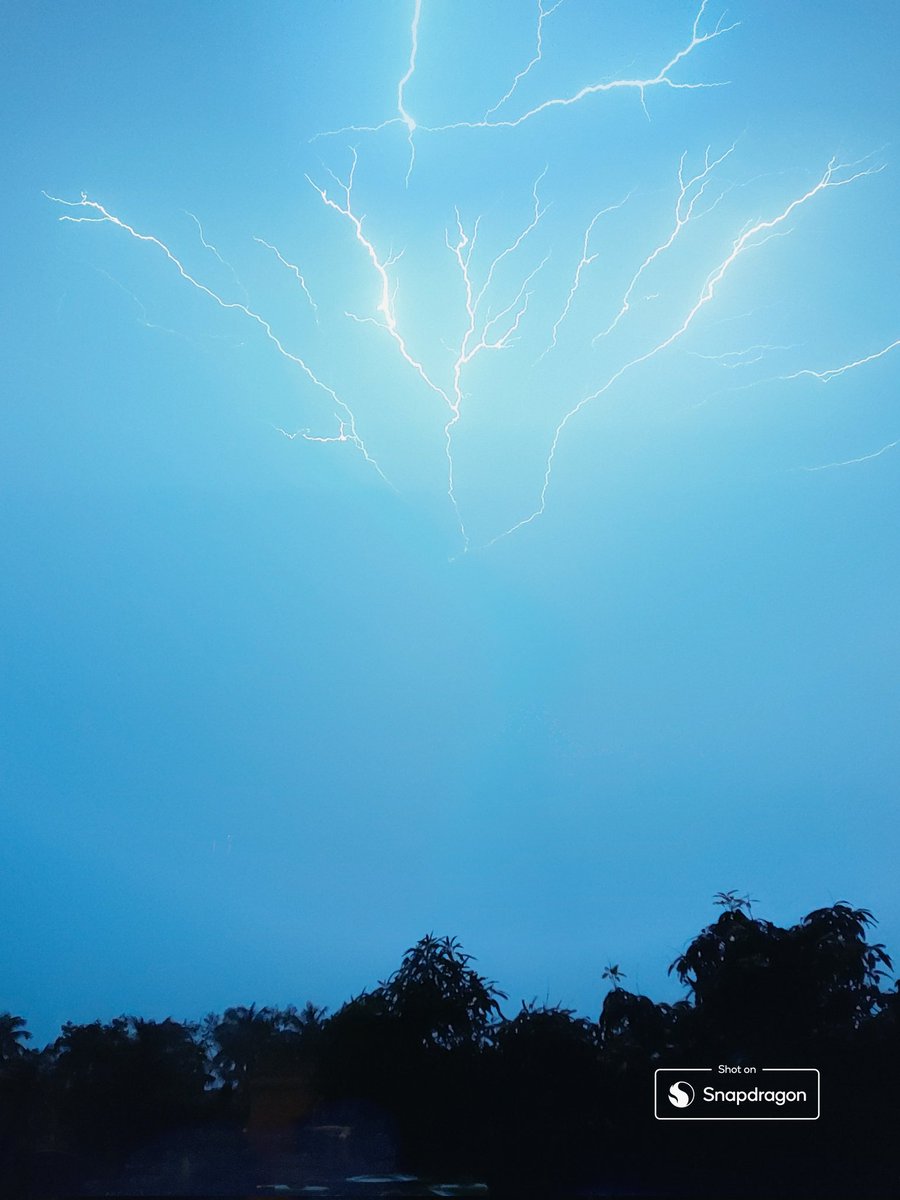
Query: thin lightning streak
pixel 543 13
pixel 741 358
pixel 401 87
pixel 741 244
pixel 661 79
pixel 467 244
pixel 207 245
pixel 827 376
pixel 143 320
pixel 148 324
pixel 745 316
pixel 357 129
pixel 348 422
pixel 494 324
pixel 385 304
pixel 849 462
pixel 341 436
pixel 642 86
pixel 213 250
pixel 462 251
pixel 584 262
pixel 522 297
pixel 472 342
pixel 537 213
pixel 403 116
pixel 684 211
pixel 296 270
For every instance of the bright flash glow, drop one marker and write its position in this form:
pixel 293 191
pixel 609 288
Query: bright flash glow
pixel 493 300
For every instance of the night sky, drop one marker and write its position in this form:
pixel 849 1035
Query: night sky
pixel 280 695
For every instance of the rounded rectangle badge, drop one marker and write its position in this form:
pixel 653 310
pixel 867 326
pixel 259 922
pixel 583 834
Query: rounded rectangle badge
pixel 728 1093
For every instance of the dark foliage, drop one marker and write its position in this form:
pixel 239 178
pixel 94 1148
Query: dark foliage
pixel 425 1073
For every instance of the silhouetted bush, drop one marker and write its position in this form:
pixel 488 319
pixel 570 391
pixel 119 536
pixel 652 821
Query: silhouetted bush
pixel 425 1073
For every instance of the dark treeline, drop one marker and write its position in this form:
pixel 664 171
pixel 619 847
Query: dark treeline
pixel 424 1074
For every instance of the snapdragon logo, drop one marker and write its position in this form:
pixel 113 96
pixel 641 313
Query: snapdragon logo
pixel 681 1094
pixel 757 1094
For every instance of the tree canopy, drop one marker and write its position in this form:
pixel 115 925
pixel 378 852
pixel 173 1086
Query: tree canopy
pixel 537 1102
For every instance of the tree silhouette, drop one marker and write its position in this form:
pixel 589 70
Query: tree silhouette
pixel 13 1031
pixel 544 1117
pixel 241 1038
pixel 425 1073
pixel 438 998
pixel 637 1032
pixel 760 990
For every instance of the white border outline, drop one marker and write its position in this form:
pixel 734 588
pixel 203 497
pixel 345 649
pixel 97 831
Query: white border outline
pixel 709 1070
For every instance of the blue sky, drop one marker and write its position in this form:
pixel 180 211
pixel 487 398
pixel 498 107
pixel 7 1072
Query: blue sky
pixel 266 719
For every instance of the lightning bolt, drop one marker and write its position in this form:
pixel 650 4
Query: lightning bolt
pixel 473 343
pixel 144 319
pixel 403 116
pixel 827 376
pixel 381 265
pixel 662 78
pixel 741 358
pixel 752 237
pixel 543 13
pixel 495 323
pixel 347 421
pixel 584 262
pixel 345 433
pixel 849 462
pixel 214 251
pixel 689 194
pixel 206 245
pixel 401 87
pixel 481 332
pixel 296 271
